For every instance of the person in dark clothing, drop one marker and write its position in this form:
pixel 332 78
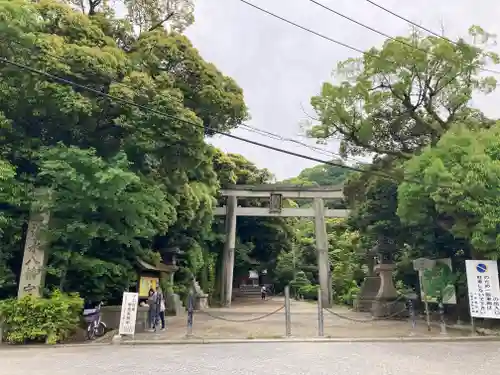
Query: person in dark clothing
pixel 153 309
pixel 263 292
pixel 161 306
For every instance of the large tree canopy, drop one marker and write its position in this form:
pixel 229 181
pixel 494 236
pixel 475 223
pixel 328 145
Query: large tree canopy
pixel 126 181
pixel 459 190
pixel 321 175
pixel 397 99
pixel 146 15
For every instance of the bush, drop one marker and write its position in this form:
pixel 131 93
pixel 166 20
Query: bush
pixel 298 282
pixel 349 295
pixel 309 291
pixel 33 319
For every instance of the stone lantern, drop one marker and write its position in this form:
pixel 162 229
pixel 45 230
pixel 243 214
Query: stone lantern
pixel 386 301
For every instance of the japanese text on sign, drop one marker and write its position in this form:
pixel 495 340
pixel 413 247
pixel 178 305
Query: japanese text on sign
pixel 129 313
pixel 484 288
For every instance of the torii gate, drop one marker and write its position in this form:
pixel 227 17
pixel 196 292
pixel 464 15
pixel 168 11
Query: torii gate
pixel 275 194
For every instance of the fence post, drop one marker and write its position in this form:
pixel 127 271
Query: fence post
pixel 190 312
pixel 411 307
pixel 441 315
pixel 288 325
pixel 321 332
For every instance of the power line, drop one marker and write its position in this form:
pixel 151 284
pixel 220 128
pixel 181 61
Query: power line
pixel 246 127
pixel 278 137
pixel 334 40
pixel 410 22
pixel 424 29
pixel 152 110
pixel 59 58
pixel 305 28
pixel 389 37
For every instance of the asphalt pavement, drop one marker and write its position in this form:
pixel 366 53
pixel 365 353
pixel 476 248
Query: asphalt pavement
pixel 464 358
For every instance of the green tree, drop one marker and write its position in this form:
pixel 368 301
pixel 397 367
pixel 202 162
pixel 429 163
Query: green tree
pixel 459 190
pixel 160 158
pixel 152 14
pixel 396 100
pixel 321 175
pixel 9 195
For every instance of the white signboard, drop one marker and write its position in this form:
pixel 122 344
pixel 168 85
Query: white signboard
pixel 129 313
pixel 484 289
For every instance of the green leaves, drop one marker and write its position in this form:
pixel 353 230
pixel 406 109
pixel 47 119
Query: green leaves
pixel 158 14
pixel 440 282
pixel 460 183
pixel 396 100
pixel 31 319
pixel 123 179
pixel 93 198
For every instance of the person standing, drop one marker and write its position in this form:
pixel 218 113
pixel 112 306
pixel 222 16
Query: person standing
pixel 152 312
pixel 263 292
pixel 161 306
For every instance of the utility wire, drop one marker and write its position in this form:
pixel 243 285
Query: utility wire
pixel 307 29
pixel 59 58
pixel 152 110
pixel 246 127
pixel 278 137
pixel 424 29
pixel 410 22
pixel 331 39
pixel 389 37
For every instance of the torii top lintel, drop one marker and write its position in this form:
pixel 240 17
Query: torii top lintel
pixel 286 191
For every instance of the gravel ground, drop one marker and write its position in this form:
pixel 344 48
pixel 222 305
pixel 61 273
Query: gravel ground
pixel 249 359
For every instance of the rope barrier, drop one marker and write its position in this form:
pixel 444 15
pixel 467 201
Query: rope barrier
pixel 242 320
pixel 372 319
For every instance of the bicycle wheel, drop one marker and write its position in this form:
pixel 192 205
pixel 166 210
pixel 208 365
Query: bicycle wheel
pixel 90 331
pixel 100 329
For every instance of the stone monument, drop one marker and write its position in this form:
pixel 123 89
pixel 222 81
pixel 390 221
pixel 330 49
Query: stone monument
pixel 32 277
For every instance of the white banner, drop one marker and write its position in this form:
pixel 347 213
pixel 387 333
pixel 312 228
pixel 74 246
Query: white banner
pixel 484 288
pixel 129 313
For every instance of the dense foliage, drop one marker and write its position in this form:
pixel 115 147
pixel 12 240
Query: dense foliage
pixel 49 320
pixel 124 181
pixel 432 188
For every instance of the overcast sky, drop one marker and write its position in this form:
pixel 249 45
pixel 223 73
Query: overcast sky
pixel 280 67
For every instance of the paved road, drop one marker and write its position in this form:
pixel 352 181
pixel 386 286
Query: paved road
pixel 262 359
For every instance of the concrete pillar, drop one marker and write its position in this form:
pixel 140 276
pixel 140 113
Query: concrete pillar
pixel 322 252
pixel 228 254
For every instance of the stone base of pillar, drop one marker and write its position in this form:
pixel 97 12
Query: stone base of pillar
pixel 368 292
pixel 387 308
pixel 175 306
pixel 201 302
pixel 386 301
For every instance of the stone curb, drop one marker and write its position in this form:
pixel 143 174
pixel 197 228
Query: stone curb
pixel 56 346
pixel 409 339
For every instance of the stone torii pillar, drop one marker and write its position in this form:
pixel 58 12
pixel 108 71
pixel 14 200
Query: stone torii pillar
pixel 228 253
pixel 325 281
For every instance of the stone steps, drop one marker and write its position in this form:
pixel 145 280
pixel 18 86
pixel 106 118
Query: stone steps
pixel 247 291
